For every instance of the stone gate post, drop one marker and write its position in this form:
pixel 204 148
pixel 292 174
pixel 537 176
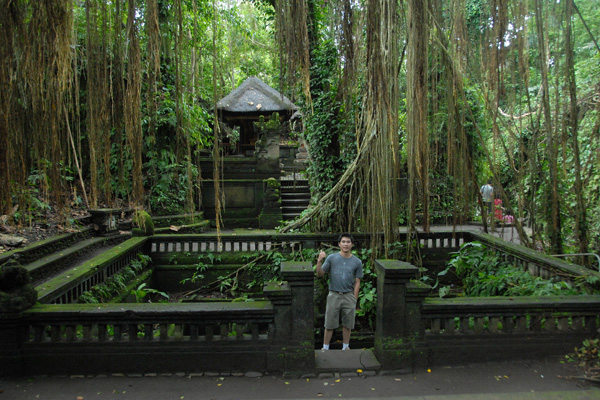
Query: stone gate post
pixel 280 295
pixel 12 335
pixel 398 319
pixel 300 352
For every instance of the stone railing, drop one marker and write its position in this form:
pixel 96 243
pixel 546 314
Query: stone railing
pixel 168 244
pixel 536 263
pixel 277 333
pixel 92 338
pixel 68 286
pixel 272 334
pixel 413 329
pixel 443 242
pixel 510 315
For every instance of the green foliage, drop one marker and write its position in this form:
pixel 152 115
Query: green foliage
pixel 143 220
pixel 168 195
pixel 143 291
pixel 329 125
pixel 33 195
pixel 485 273
pixel 259 268
pixel 587 356
pixel 367 297
pixel 115 284
pixel 205 260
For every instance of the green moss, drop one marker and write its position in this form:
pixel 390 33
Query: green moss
pixel 89 267
pixel 273 122
pixel 241 213
pixel 273 183
pixel 143 220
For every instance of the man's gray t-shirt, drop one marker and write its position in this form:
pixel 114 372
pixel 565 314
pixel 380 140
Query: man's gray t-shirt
pixel 343 272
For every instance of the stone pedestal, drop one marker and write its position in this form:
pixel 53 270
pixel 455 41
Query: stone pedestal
pixel 270 216
pixel 104 220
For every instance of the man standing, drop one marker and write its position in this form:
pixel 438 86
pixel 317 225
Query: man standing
pixel 345 272
pixel 487 194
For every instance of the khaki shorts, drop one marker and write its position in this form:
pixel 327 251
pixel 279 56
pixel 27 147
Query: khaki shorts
pixel 343 304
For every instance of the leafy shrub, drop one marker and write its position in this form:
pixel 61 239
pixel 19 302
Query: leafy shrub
pixel 484 273
pixel 143 220
pixel 142 292
pixel 115 284
pixel 169 193
pixel 587 357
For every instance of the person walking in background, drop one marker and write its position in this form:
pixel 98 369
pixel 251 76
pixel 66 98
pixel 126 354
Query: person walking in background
pixel 487 194
pixel 345 272
pixel 498 209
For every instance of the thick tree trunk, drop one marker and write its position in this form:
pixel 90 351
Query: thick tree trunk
pixel 552 196
pixel 133 106
pixel 581 225
pixel 416 94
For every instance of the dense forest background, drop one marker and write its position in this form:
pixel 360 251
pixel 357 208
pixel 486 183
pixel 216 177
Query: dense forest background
pixel 109 104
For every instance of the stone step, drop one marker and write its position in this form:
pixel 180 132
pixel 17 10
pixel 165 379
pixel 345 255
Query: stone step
pixel 292 183
pixel 297 194
pixel 62 259
pixel 289 216
pixel 297 189
pixel 68 281
pixel 294 202
pixel 291 208
pixel 198 227
pixel 346 361
pixel 179 220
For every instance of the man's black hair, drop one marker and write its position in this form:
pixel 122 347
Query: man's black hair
pixel 346 234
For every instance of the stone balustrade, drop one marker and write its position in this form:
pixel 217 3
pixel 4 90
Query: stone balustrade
pixel 276 333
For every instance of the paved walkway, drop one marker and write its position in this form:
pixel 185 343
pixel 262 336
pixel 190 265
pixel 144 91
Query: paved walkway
pixel 535 380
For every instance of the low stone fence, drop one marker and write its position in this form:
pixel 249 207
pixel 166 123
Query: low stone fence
pixel 164 245
pixel 536 263
pixel 140 338
pixel 276 333
pixel 413 329
pixel 273 334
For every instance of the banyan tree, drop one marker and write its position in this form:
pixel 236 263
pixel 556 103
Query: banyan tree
pixel 408 107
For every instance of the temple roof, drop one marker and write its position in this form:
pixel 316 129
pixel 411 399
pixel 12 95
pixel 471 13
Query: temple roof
pixel 253 96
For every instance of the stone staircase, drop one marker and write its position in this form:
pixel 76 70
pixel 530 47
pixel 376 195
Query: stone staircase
pixel 59 254
pixel 64 259
pixel 295 195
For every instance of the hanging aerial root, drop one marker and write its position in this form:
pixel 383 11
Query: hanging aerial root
pixel 330 196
